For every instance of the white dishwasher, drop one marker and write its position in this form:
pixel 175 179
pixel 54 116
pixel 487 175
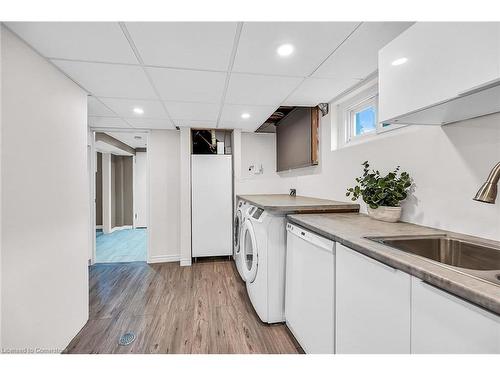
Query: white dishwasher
pixel 309 293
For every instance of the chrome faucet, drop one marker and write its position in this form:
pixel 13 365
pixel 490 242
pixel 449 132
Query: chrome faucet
pixel 488 192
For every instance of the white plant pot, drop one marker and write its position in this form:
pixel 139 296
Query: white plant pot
pixel 385 213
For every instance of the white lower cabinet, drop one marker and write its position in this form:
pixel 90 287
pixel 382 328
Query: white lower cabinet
pixel 443 323
pixel 376 308
pixel 372 305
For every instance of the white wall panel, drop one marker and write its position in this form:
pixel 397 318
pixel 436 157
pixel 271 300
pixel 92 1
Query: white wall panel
pixel 164 192
pixel 45 202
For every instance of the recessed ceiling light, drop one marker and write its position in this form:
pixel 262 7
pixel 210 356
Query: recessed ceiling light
pixel 245 115
pixel 138 111
pixel 399 61
pixel 285 50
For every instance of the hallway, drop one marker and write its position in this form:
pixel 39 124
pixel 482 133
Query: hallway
pixel 173 309
pixel 125 245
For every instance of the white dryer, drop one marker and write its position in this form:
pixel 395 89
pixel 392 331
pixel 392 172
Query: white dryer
pixel 239 219
pixel 263 249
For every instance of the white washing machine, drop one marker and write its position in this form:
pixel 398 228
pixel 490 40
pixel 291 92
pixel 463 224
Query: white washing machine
pixel 239 219
pixel 263 249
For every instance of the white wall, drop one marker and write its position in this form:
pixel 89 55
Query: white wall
pixel 45 202
pixel 448 165
pixel 140 189
pixel 185 196
pixel 107 226
pixel 164 196
pixel 257 149
pixel 1 102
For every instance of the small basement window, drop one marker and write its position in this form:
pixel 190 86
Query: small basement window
pixel 357 117
pixel 362 119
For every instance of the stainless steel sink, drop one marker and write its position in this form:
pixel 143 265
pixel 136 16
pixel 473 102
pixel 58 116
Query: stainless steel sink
pixel 473 258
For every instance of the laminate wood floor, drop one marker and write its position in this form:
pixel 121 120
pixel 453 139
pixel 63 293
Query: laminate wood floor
pixel 171 309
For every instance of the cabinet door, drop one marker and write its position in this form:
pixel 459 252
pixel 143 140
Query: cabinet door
pixel 444 59
pixel 372 305
pixel 443 323
pixel 211 205
pixel 309 295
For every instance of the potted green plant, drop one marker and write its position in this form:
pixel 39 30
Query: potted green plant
pixel 382 194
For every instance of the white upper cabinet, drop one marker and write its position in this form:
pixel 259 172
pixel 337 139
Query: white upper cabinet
pixel 431 65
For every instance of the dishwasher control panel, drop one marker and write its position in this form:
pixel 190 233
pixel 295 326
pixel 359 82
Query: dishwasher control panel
pixel 311 237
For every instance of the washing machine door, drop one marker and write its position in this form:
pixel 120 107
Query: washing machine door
pixel 237 231
pixel 249 251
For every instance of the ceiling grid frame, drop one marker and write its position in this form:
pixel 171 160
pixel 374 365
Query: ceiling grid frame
pixel 322 62
pixel 141 62
pixel 249 41
pixel 89 93
pixel 236 42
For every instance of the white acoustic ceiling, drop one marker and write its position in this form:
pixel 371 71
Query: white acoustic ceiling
pixel 192 45
pixel 109 80
pixel 313 42
pixel 188 85
pixel 206 74
pixel 255 89
pixel 125 107
pixel 89 41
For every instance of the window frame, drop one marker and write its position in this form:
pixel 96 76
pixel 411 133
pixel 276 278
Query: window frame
pixel 363 97
pixel 350 118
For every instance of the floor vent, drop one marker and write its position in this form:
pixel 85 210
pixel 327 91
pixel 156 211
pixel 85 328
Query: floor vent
pixel 126 339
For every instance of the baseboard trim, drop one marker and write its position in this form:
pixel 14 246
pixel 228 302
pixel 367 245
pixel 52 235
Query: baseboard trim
pixel 163 258
pixel 186 262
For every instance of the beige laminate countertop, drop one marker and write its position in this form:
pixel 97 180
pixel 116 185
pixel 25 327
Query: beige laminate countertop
pixel 285 204
pixel 351 228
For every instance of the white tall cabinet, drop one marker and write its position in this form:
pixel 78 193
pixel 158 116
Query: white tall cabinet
pixel 372 305
pixel 443 61
pixel 211 205
pixel 443 323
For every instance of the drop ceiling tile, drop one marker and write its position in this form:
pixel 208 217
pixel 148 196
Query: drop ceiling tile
pixel 144 123
pixel 193 111
pixel 96 108
pixel 188 85
pixel 195 124
pixel 358 56
pixel 125 108
pixel 313 42
pixel 319 90
pixel 196 45
pixel 107 122
pixel 231 116
pixel 254 89
pixel 109 80
pixel 94 41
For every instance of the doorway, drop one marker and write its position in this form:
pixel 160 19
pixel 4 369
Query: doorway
pixel 120 211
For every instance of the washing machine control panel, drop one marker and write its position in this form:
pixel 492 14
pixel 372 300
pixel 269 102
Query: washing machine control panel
pixel 257 213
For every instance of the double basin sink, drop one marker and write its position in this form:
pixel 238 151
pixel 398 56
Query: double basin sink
pixel 472 258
